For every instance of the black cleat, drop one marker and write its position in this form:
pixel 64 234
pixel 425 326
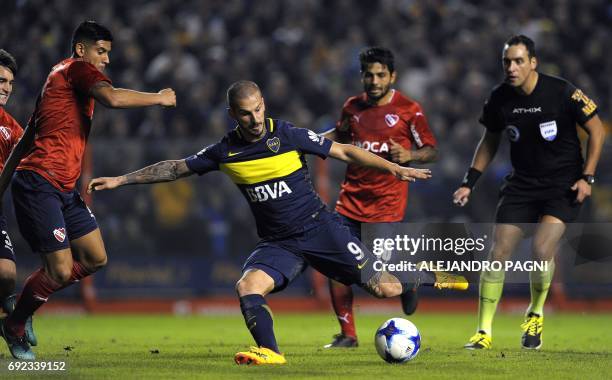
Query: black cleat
pixel 410 301
pixel 342 341
pixel 532 336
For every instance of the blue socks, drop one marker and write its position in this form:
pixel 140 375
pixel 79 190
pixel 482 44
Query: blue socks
pixel 258 319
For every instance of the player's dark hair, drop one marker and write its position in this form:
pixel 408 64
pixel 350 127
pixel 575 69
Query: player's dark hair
pixel 90 32
pixel 8 61
pixel 240 90
pixel 377 54
pixel 524 40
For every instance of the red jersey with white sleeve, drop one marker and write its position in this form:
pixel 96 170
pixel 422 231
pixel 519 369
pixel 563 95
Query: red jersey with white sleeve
pixel 10 133
pixel 369 195
pixel 63 120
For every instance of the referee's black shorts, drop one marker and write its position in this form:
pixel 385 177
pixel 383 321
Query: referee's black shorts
pixel 524 199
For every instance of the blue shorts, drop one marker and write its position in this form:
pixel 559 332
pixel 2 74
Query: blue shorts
pixel 326 244
pixel 353 225
pixel 48 218
pixel 6 251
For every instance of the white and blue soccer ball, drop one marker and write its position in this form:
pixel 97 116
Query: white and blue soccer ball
pixel 397 340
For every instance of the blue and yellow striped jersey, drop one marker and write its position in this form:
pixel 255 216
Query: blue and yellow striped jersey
pixel 271 173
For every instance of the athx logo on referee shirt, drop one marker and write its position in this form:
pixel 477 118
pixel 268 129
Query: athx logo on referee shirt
pixel 527 110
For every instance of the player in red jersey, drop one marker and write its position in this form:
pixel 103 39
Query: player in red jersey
pixel 10 132
pixel 51 214
pixel 391 125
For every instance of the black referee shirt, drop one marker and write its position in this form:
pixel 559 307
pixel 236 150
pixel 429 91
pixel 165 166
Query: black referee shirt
pixel 541 126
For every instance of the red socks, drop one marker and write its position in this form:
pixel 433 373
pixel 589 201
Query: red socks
pixel 37 289
pixel 342 300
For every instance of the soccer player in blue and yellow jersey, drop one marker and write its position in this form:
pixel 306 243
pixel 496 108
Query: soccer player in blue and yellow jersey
pixel 264 157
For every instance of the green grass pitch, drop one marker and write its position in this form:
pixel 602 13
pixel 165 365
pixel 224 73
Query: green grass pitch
pixel 168 347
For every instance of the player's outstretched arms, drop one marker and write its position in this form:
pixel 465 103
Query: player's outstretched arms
pixel 165 171
pixel 113 97
pixel 354 155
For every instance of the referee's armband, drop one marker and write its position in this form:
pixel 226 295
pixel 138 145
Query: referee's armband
pixel 470 178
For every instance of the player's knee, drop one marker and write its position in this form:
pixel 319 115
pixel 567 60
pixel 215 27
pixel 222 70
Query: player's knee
pixel 60 273
pixel 248 285
pixel 97 263
pixel 254 281
pixel 500 253
pixel 8 271
pixel 8 274
pixel 542 251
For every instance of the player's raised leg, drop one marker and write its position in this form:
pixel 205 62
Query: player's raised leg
pixel 506 238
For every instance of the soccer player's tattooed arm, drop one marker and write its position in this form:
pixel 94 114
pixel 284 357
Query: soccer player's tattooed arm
pixel 165 171
pixel 113 97
pixel 354 155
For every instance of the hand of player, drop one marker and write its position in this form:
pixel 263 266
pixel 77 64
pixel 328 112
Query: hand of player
pixel 168 97
pixel 411 174
pixel 462 196
pixel 582 189
pixel 103 183
pixel 398 153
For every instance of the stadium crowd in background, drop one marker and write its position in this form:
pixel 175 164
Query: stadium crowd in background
pixel 304 54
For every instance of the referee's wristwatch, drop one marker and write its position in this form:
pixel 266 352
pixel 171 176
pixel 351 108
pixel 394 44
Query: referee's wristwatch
pixel 590 179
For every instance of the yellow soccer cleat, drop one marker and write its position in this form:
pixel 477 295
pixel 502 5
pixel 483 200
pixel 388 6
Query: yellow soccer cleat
pixel 445 280
pixel 479 341
pixel 532 328
pixel 258 356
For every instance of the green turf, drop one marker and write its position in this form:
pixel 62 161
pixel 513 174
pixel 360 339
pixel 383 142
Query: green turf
pixel 119 347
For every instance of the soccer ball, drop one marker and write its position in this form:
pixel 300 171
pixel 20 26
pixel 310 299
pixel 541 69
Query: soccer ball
pixel 397 340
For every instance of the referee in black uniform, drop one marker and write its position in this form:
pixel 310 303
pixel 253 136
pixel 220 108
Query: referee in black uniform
pixel 549 181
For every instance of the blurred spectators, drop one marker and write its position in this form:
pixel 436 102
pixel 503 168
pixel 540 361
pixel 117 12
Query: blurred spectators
pixel 303 53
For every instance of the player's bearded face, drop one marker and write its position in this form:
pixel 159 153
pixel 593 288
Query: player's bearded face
pixel 6 84
pixel 518 66
pixel 377 81
pixel 97 53
pixel 249 112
